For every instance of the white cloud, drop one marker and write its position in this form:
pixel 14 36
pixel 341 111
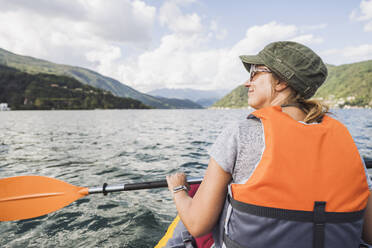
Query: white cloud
pixel 314 27
pixel 120 21
pixel 92 33
pixel 307 39
pixel 365 9
pixel 216 31
pixel 172 17
pixel 258 36
pixel 170 65
pixel 56 8
pixel 105 58
pixel 186 61
pixel 71 31
pixel 348 54
pixel 368 27
pixel 363 13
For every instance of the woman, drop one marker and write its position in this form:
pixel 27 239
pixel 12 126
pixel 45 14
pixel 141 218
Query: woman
pixel 292 174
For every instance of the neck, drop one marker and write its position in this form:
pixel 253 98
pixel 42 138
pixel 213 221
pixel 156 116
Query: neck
pixel 280 98
pixel 294 112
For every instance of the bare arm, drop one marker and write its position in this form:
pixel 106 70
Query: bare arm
pixel 367 226
pixel 200 214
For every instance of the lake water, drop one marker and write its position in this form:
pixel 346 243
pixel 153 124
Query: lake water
pixel 88 148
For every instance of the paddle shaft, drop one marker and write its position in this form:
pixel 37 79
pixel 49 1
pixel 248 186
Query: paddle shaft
pixel 26 197
pixel 136 186
pixel 158 184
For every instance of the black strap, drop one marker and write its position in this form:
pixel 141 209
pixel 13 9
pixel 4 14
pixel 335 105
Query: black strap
pixel 363 246
pixel 319 224
pixel 295 215
pixel 228 197
pixel 188 240
pixel 301 106
pixel 298 105
pixel 104 189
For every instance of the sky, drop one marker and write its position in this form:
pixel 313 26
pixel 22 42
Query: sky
pixel 152 44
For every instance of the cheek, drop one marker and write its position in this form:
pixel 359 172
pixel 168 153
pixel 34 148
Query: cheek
pixel 264 91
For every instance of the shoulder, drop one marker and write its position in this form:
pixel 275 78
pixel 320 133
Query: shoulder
pixel 243 131
pixel 249 125
pixel 244 125
pixel 336 124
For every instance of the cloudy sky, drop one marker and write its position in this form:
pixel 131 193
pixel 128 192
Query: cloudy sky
pixel 150 44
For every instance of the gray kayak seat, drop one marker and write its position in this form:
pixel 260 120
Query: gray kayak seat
pixel 181 238
pixel 250 226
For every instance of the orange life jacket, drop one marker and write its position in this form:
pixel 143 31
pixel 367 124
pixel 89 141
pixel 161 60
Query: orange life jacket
pixel 308 174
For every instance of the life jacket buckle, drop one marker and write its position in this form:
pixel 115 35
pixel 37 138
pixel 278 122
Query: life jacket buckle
pixel 186 236
pixel 319 213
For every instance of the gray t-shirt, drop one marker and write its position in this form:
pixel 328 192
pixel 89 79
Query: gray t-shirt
pixel 239 148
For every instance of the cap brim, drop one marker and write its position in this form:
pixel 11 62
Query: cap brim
pixel 249 60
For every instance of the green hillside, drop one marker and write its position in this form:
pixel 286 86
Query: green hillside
pixel 238 98
pixel 33 66
pixel 46 91
pixel 347 85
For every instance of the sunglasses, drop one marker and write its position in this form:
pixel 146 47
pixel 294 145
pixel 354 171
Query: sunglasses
pixel 254 69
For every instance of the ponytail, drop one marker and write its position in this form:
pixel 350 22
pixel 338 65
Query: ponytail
pixel 314 109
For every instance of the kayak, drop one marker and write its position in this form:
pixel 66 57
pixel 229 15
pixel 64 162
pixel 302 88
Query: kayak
pixel 169 234
pixel 205 241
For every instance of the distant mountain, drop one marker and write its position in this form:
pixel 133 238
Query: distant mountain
pixel 346 86
pixel 47 91
pixel 181 103
pixel 202 97
pixel 33 66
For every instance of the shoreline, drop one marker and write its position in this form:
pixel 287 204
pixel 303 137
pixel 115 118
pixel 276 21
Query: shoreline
pixel 209 108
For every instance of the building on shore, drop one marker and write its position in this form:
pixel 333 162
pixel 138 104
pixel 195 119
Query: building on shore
pixel 4 106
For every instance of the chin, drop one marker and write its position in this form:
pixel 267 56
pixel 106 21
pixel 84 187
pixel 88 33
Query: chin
pixel 252 105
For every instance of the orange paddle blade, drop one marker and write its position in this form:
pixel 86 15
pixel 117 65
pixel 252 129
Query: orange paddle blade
pixel 27 197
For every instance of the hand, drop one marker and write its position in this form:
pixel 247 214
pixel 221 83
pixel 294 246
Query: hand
pixel 175 180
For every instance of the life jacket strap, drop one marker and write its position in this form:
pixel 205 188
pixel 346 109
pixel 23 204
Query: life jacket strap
pixel 319 224
pixel 188 240
pixel 295 215
pixel 319 217
pixel 229 210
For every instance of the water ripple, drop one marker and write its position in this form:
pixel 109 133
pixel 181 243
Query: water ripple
pixel 89 148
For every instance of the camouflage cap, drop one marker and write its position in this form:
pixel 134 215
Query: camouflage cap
pixel 294 63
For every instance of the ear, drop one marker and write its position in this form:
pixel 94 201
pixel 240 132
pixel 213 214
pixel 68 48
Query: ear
pixel 281 85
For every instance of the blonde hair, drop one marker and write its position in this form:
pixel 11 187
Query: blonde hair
pixel 314 109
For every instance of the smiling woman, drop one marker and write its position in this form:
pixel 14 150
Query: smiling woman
pixel 281 166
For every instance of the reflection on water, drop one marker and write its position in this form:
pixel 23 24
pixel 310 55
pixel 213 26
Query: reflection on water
pixel 88 148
